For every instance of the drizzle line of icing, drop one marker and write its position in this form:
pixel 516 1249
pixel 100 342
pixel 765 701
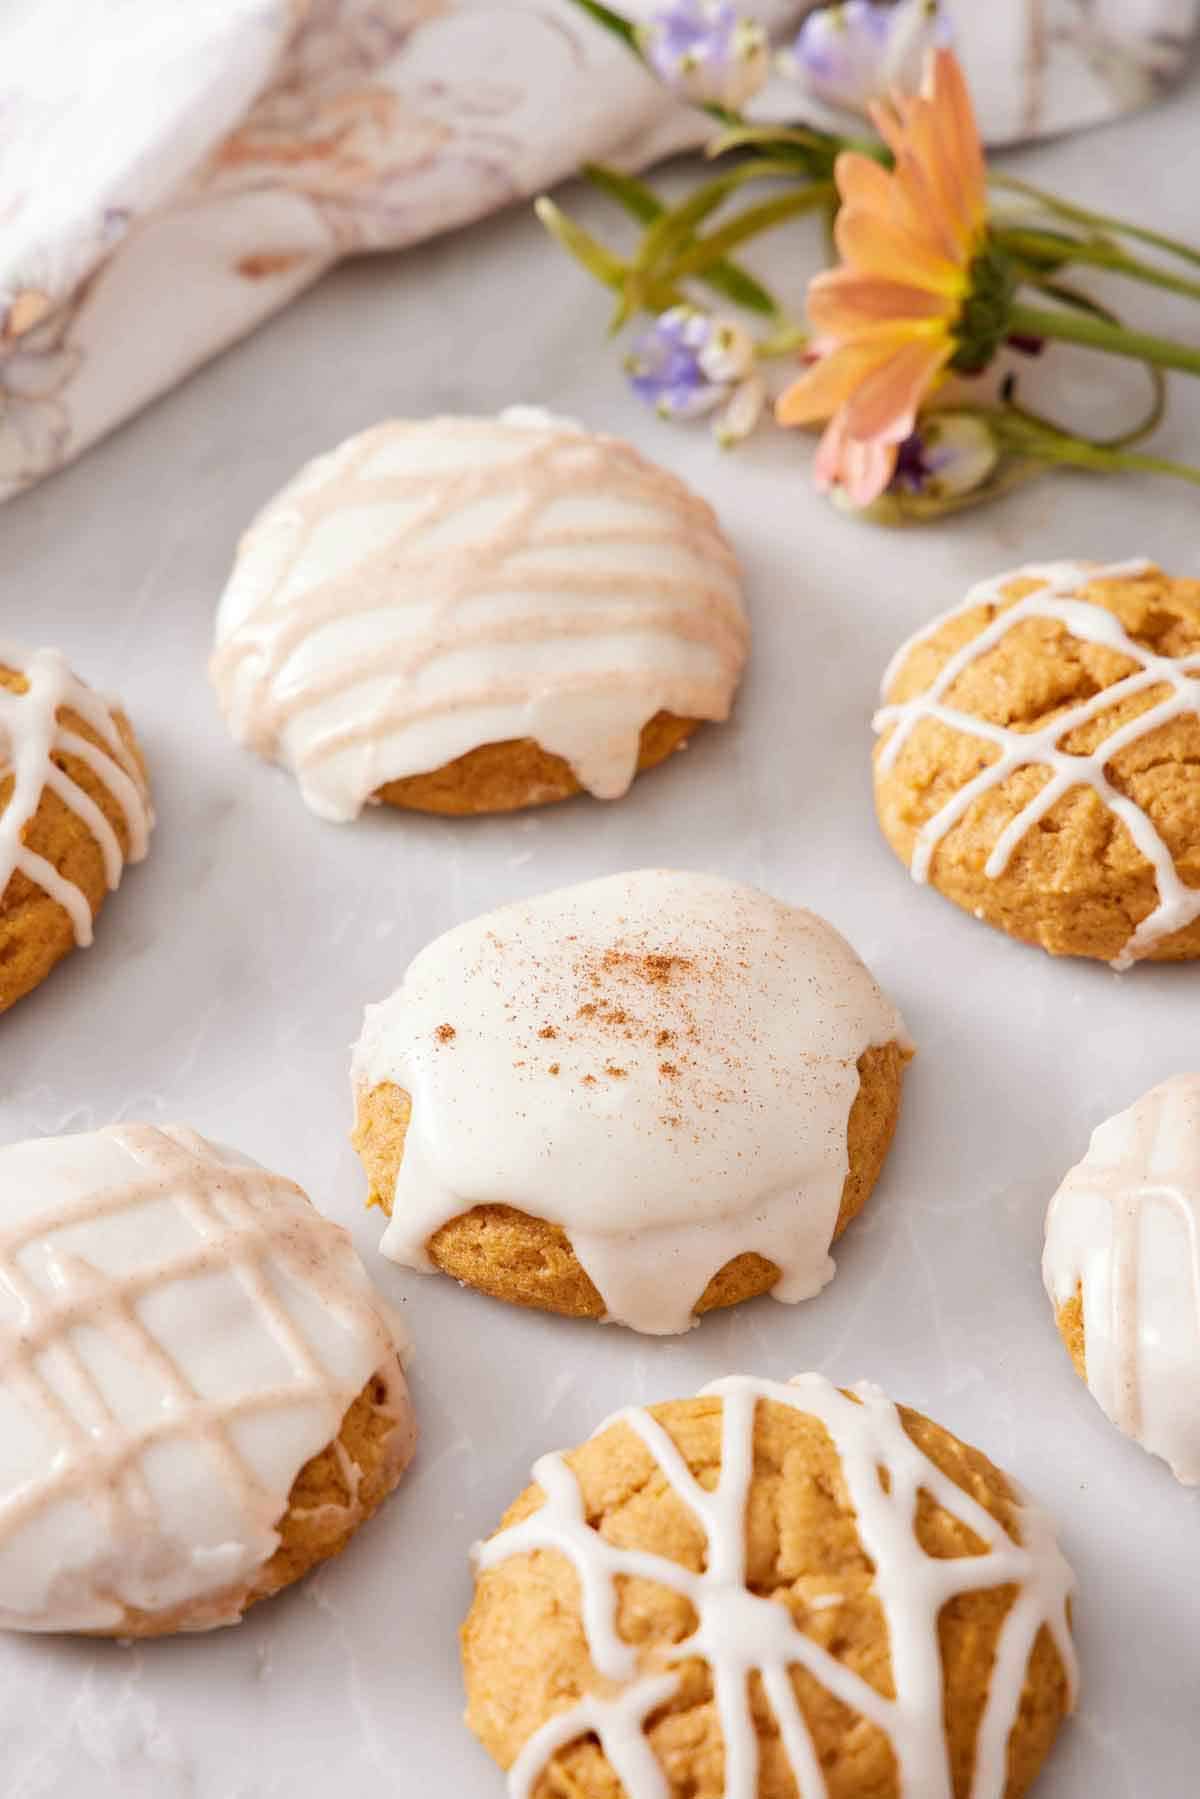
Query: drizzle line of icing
pixel 32 734
pixel 101 1390
pixel 739 1633
pixel 1178 905
pixel 661 1063
pixel 1124 1227
pixel 439 632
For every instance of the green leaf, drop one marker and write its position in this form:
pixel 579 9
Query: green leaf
pixel 707 250
pixel 737 284
pixel 635 196
pixel 675 226
pixel 611 21
pixel 725 278
pixel 595 257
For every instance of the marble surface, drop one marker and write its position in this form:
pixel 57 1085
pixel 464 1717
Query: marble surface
pixel 230 972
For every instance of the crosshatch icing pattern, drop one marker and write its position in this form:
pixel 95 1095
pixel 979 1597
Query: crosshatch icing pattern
pixel 180 1331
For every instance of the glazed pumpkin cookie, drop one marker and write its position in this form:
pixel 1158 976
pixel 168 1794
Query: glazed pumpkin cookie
pixel 74 809
pixel 638 1099
pixel 1040 759
pixel 774 1588
pixel 1122 1268
pixel 467 615
pixel 201 1396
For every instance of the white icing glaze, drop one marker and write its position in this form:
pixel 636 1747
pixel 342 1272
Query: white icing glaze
pixel 1055 598
pixel 1125 1228
pixel 661 1063
pixel 433 586
pixel 739 1632
pixel 32 734
pixel 180 1331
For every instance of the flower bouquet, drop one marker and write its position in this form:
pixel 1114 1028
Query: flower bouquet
pixel 951 278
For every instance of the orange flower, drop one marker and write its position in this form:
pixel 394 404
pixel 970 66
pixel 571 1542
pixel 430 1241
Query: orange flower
pixel 891 319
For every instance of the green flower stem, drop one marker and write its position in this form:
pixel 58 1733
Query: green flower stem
pixel 1097 334
pixel 1023 436
pixel 785 340
pixel 1135 461
pixel 804 148
pixel 1076 454
pixel 1056 251
pixel 1080 215
pixel 707 250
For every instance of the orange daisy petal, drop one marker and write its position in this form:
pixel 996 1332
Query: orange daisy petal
pixel 884 404
pixel 863 470
pixel 929 151
pixel 940 213
pixel 822 389
pixel 866 470
pixel 887 316
pixel 917 201
pixel 845 303
pixel 959 168
pixel 952 99
pixel 887 122
pixel 875 246
pixel 861 181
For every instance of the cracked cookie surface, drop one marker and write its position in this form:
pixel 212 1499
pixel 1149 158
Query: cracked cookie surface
pixel 1072 876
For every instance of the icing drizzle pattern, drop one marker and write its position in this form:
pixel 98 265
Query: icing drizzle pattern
pixel 1125 1228
pixel 434 586
pixel 138 1468
pixel 661 1063
pixel 739 1632
pixel 32 735
pixel 1054 598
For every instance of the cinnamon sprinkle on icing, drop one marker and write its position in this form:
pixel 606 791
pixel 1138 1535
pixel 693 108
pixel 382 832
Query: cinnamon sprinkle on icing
pixel 762 1073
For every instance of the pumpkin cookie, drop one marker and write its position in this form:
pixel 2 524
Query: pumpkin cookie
pixel 1122 1267
pixel 201 1396
pixel 466 615
pixel 637 1099
pixel 1040 759
pixel 74 809
pixel 774 1588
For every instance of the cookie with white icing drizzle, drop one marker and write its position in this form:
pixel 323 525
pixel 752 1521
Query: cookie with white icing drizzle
pixel 201 1395
pixel 1122 1268
pixel 771 1589
pixel 467 615
pixel 1039 761
pixel 74 809
pixel 636 1099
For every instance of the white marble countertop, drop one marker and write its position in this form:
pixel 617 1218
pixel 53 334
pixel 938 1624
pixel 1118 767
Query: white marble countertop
pixel 230 973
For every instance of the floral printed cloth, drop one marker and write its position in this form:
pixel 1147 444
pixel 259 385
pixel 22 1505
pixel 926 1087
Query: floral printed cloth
pixel 170 174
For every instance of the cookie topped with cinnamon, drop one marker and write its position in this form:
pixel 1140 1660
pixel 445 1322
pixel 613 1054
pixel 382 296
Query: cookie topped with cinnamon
pixel 638 1098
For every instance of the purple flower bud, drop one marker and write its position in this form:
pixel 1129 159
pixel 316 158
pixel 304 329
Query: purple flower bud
pixel 707 51
pixel 664 365
pixel 949 453
pixel 852 53
pixel 688 364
